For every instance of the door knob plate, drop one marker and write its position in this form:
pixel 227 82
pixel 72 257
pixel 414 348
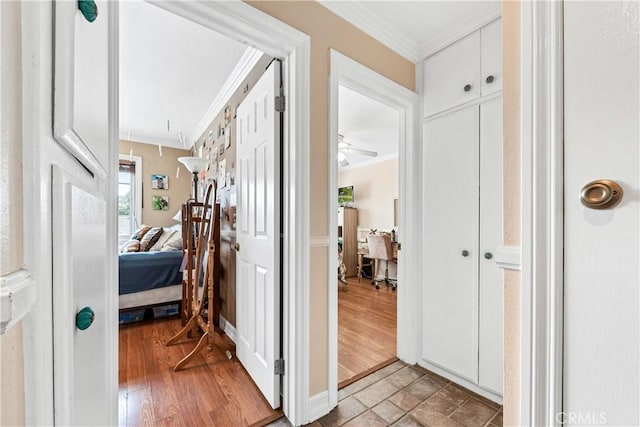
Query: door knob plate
pixel 601 194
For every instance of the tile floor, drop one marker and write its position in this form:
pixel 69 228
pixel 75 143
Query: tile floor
pixel 402 395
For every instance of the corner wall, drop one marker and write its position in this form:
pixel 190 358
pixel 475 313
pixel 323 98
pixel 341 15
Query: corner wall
pixel 375 187
pixel 179 188
pixel 328 31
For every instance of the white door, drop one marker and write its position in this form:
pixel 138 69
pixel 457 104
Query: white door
pixel 602 257
pixel 450 297
pixel 490 331
pixel 258 231
pixel 80 167
pixel 79 281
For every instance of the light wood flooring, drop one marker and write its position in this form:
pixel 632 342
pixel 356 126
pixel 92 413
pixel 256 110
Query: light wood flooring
pixel 212 390
pixel 366 329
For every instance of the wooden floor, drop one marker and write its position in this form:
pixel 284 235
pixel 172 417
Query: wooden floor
pixel 366 329
pixel 212 390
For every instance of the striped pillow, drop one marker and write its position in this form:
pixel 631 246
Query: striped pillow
pixel 150 238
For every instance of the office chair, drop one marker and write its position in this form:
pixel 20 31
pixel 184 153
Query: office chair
pixel 380 250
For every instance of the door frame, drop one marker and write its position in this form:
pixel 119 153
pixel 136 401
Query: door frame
pixel 241 22
pixel 355 76
pixel 542 188
pixel 251 26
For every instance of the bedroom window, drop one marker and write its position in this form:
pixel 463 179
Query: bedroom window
pixel 126 200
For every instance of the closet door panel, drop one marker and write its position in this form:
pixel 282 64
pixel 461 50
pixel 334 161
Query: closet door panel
pixel 491 276
pixel 450 297
pixel 491 57
pixel 449 71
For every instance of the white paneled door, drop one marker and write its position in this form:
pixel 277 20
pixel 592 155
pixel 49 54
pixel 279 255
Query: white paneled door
pixel 602 257
pixel 80 171
pixel 258 231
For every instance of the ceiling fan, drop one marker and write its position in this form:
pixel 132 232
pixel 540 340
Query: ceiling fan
pixel 345 148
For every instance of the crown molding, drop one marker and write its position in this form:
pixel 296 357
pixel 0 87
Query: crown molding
pixel 461 29
pixel 372 24
pixel 249 59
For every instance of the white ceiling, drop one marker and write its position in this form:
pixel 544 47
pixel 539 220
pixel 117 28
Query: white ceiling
pixel 369 125
pixel 170 69
pixel 416 29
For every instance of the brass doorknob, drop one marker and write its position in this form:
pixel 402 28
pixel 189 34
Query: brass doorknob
pixel 237 247
pixel 601 194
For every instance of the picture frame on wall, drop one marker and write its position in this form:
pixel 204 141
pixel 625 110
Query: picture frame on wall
pixel 227 137
pixel 159 182
pixel 160 203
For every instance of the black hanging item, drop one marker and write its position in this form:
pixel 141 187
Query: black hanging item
pixel 89 9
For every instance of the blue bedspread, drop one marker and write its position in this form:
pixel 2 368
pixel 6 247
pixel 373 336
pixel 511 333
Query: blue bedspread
pixel 142 271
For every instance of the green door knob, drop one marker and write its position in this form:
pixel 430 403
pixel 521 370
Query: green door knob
pixel 84 318
pixel 89 9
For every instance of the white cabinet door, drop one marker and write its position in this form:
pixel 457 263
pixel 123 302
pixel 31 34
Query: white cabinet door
pixel 602 247
pixel 450 297
pixel 80 280
pixel 452 76
pixel 491 276
pixel 258 235
pixel 491 57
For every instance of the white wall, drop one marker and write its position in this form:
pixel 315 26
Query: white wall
pixel 375 187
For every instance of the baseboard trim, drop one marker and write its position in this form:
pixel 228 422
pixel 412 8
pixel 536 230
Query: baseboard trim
pixel 228 329
pixel 319 406
pixel 461 381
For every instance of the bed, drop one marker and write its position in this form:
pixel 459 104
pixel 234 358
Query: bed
pixel 149 278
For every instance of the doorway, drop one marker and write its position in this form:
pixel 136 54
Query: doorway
pixel 243 23
pixel 356 80
pixel 368 134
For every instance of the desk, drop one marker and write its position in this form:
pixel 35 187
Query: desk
pixel 363 252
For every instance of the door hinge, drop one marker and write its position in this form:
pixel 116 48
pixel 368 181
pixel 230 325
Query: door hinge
pixel 280 103
pixel 279 367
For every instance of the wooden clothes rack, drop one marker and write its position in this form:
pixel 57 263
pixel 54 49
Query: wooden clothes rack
pixel 201 304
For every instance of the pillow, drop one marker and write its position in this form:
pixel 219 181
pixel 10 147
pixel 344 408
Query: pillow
pixel 130 246
pixel 150 238
pixel 174 243
pixel 140 232
pixel 166 234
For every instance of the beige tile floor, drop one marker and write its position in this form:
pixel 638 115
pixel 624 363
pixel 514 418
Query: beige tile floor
pixel 402 395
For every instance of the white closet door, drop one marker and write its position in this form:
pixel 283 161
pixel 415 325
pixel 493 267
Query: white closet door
pixel 491 276
pixel 448 72
pixel 491 57
pixel 450 297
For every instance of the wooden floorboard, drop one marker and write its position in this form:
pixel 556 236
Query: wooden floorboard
pixel 214 390
pixel 366 328
pixel 211 390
